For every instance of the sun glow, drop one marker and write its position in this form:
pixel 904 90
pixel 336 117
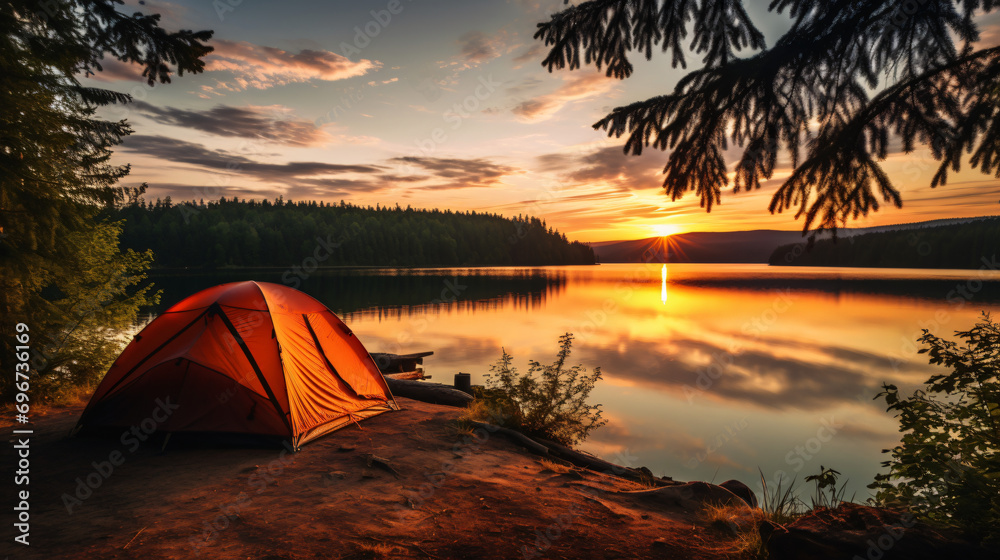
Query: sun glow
pixel 666 230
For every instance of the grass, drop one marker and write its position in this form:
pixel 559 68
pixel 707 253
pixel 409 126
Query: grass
pixel 377 550
pixel 461 428
pixel 554 467
pixel 479 410
pixel 780 504
pixel 743 522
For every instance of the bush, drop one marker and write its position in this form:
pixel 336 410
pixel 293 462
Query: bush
pixel 548 401
pixel 946 469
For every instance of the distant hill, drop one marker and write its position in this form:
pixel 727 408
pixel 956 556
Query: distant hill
pixel 753 246
pixel 704 247
pixel 968 243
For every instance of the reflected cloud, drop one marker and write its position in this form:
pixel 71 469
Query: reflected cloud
pixel 755 376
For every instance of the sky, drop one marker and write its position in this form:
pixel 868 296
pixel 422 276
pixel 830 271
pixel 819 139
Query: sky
pixel 439 104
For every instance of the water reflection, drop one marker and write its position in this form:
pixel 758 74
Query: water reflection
pixel 744 365
pixel 663 289
pixel 742 368
pixel 394 293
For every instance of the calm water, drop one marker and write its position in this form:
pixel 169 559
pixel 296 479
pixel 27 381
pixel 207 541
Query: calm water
pixel 723 370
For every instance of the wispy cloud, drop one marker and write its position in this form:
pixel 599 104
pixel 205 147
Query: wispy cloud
pixel 270 123
pixel 324 179
pixel 532 52
pixel 575 89
pixel 607 165
pixel 459 173
pixel 113 70
pixel 477 47
pixel 172 16
pixel 261 67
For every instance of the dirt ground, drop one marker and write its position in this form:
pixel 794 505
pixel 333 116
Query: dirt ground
pixel 453 495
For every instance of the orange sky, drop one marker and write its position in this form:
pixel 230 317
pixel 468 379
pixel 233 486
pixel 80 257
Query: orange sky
pixel 443 105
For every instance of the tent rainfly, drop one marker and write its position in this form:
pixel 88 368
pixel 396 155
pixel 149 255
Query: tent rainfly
pixel 245 358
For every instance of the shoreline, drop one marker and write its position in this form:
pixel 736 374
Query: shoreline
pixel 450 493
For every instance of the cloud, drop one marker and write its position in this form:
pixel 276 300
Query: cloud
pixel 172 16
pixel 262 67
pixel 757 375
pixel 319 179
pixel 575 89
pixel 114 70
pixel 989 30
pixel 270 123
pixel 477 47
pixel 526 86
pixel 531 53
pixel 459 173
pixel 374 83
pixel 312 178
pixel 607 165
pixel 395 178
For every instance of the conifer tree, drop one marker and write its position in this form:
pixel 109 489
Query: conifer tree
pixel 62 273
pixel 832 92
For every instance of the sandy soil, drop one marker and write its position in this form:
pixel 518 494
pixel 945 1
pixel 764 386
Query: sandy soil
pixel 455 496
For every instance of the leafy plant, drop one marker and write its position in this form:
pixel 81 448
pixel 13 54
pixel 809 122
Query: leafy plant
pixel 549 401
pixel 827 495
pixel 947 468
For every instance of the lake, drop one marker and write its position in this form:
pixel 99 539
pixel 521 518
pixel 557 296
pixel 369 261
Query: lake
pixel 712 374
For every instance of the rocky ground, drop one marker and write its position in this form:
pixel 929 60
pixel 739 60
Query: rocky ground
pixel 407 484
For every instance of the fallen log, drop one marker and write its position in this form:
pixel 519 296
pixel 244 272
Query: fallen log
pixel 418 374
pixel 398 363
pixel 518 437
pixel 434 393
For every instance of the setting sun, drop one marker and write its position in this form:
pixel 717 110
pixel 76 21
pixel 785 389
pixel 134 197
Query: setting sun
pixel 666 230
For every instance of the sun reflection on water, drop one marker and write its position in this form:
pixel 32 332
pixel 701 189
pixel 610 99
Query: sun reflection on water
pixel 663 285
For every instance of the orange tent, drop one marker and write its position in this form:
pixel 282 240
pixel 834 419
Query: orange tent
pixel 248 358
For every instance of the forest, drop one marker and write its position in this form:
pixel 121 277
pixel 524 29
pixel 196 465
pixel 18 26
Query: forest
pixel 963 245
pixel 252 233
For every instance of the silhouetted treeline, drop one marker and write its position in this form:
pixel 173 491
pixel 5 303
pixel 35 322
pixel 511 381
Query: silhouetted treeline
pixel 964 245
pixel 231 232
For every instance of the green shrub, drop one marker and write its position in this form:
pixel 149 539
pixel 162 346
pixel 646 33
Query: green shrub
pixel 548 401
pixel 827 494
pixel 946 468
